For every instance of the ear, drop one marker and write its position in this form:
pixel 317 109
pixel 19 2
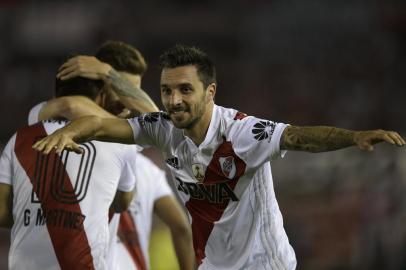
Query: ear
pixel 211 92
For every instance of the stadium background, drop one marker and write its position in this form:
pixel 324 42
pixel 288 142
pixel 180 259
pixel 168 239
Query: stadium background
pixel 332 62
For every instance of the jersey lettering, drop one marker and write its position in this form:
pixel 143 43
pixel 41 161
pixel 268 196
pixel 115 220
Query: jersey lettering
pixel 49 162
pixel 216 193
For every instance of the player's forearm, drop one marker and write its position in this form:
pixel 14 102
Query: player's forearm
pixel 71 108
pixel 97 128
pixel 133 97
pixel 182 242
pixel 316 138
pixel 83 129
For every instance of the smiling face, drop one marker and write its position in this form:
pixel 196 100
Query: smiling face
pixel 184 96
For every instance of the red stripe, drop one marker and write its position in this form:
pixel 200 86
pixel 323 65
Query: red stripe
pixel 127 231
pixel 204 213
pixel 70 244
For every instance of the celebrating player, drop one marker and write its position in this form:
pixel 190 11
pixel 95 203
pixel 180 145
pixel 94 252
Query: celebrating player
pixel 121 65
pixel 219 159
pixel 61 201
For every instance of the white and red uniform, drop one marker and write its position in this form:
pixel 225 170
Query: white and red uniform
pixel 61 202
pixel 131 244
pixel 130 250
pixel 226 185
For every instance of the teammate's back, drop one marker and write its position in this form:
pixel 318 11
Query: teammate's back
pixel 61 202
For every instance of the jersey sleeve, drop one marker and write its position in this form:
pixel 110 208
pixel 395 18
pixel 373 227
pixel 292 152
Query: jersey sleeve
pixel 151 129
pixel 6 164
pixel 34 113
pixel 127 179
pixel 257 140
pixel 148 171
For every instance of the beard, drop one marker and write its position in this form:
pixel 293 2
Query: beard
pixel 195 114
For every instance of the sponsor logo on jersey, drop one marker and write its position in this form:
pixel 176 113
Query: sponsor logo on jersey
pixel 263 130
pixel 217 193
pixel 227 165
pixel 198 171
pixel 239 116
pixel 173 162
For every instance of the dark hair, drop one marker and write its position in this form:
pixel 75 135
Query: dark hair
pixel 122 57
pixel 182 55
pixel 78 86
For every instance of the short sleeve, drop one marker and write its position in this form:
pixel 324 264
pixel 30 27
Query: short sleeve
pixel 151 129
pixel 128 176
pixel 257 140
pixel 6 164
pixel 34 113
pixel 148 171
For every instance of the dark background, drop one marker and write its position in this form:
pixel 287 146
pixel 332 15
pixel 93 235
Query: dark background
pixel 316 62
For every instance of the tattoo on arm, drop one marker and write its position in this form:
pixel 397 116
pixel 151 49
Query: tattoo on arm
pixel 125 88
pixel 316 139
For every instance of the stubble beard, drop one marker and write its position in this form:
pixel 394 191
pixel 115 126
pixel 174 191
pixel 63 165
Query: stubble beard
pixel 198 112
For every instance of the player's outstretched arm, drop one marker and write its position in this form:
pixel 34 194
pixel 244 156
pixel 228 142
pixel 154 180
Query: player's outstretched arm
pixel 6 206
pixel 169 211
pixel 133 97
pixel 323 138
pixel 71 108
pixel 86 129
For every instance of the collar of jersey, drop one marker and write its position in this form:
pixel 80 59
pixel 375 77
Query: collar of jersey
pixel 211 132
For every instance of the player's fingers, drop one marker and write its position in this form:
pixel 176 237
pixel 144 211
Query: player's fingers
pixel 49 146
pixel 39 145
pixel 60 146
pixel 76 148
pixel 397 138
pixel 68 63
pixel 67 70
pixel 72 74
pixel 388 138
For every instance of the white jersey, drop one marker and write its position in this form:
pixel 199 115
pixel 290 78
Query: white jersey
pixel 61 202
pixel 131 251
pixel 226 185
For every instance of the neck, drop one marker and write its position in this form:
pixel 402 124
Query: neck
pixel 198 132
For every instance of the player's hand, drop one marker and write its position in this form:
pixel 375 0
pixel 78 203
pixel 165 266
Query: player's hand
pixel 84 66
pixel 366 139
pixel 57 141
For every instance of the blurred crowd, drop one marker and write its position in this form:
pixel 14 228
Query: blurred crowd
pixel 340 63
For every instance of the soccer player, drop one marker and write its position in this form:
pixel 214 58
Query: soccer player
pixel 153 194
pixel 219 159
pixel 60 202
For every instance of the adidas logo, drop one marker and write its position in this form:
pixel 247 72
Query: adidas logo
pixel 173 162
pixel 263 130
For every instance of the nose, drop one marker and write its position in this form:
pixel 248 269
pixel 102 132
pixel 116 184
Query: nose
pixel 175 98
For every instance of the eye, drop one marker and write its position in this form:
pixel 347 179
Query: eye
pixel 186 89
pixel 166 90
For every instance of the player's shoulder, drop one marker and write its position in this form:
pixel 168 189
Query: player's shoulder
pixel 232 119
pixel 230 115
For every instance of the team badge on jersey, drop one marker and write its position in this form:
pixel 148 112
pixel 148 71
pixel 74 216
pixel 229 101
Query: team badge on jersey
pixel 228 167
pixel 198 171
